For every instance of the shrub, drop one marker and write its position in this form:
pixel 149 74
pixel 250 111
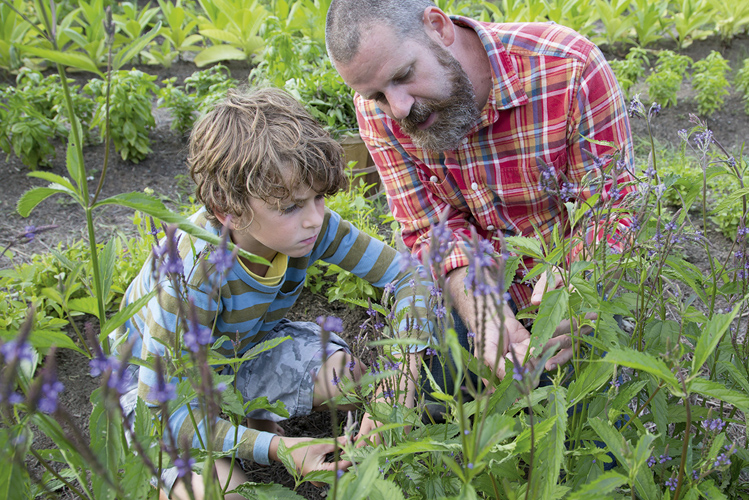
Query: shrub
pixel 709 80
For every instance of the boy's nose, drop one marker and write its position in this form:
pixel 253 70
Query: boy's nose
pixel 314 215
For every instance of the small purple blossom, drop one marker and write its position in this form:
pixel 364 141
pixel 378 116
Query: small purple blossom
pixel 390 288
pixel 671 483
pixel 636 109
pixel 722 460
pixel 13 351
pixel 184 465
pixel 51 389
pixel 651 461
pixel 440 311
pixel 222 259
pixel 695 475
pixel 655 108
pixel 388 393
pixel 662 459
pixel 352 365
pixel 430 352
pixel 14 398
pixel 713 425
pixel 163 392
pixel 196 335
pixel 330 323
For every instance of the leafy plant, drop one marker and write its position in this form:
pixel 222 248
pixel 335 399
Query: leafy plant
pixel 129 94
pixel 132 23
pixel 630 69
pixel 730 17
pixel 664 82
pixel 178 34
pixel 232 26
pixel 14 31
pixel 617 25
pixel 709 80
pixel 741 83
pixel 575 14
pixel 649 20
pixel 689 18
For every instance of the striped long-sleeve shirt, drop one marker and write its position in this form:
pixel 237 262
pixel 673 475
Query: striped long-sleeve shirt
pixel 248 310
pixel 551 89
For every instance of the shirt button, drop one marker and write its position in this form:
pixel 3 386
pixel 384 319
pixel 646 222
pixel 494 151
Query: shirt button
pixel 465 140
pixel 490 228
pixel 474 186
pixel 433 178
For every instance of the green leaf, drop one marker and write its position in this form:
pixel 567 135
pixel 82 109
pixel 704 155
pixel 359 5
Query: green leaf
pixel 74 160
pixel 14 475
pixel 106 269
pixel 525 246
pixel 53 179
pixel 135 47
pixel 155 207
pixel 605 483
pixel 712 333
pixel 218 53
pixel 644 362
pixel 719 391
pixel 551 312
pixel 106 443
pixel 88 305
pixel 551 447
pixel 31 198
pixel 262 491
pixel 121 316
pixel 68 58
pixel 592 377
pixel 44 339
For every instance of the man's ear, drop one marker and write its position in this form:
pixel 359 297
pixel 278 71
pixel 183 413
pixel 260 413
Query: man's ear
pixel 439 26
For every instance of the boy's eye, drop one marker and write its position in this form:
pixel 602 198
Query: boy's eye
pixel 290 209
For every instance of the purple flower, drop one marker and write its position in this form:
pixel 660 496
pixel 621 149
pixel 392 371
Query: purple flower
pixel 51 388
pixel 722 460
pixel 336 380
pixel 470 465
pixel 655 108
pixel 440 311
pixel 390 288
pixel 704 139
pixel 184 465
pixel 13 351
pixel 407 261
pixel 14 398
pixel 671 483
pixel 222 259
pixel 636 109
pixel 651 461
pixel 430 352
pixel 163 392
pixel 29 232
pixel 352 365
pixel 330 323
pixel 388 393
pixel 713 425
pixel 664 458
pixel 196 335
pixel 567 191
pixel 172 263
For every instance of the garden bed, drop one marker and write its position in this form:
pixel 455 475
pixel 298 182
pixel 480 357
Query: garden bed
pixel 165 173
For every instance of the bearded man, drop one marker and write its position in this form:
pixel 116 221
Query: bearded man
pixel 465 119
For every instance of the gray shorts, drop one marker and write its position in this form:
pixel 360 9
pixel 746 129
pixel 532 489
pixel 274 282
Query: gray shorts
pixel 284 373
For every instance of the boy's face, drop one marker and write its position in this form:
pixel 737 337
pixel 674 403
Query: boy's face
pixel 290 228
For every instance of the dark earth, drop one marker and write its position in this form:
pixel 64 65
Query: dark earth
pixel 164 172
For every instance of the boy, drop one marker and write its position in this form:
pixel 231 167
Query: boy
pixel 262 166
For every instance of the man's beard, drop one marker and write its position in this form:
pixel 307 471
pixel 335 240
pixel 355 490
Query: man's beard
pixel 456 115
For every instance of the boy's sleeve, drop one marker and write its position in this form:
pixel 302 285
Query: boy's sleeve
pixel 379 264
pixel 160 324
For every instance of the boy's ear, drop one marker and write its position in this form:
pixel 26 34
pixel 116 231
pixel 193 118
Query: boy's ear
pixel 224 219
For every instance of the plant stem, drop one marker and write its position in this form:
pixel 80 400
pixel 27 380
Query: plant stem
pixel 685 444
pixel 57 476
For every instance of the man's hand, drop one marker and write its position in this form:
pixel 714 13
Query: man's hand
pixel 515 338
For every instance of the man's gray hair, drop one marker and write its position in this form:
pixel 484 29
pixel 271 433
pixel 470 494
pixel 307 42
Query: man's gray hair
pixel 347 18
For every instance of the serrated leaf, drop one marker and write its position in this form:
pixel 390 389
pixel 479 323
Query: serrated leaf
pixel 592 377
pixel 552 310
pixel 88 305
pixel 262 491
pixel 719 391
pixel 525 246
pixel 603 484
pixel 645 362
pixel 31 198
pixel 712 333
pixel 52 178
pixel 44 339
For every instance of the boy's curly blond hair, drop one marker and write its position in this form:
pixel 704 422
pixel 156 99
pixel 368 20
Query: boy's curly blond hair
pixel 237 150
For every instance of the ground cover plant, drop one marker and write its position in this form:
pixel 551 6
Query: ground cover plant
pixel 664 407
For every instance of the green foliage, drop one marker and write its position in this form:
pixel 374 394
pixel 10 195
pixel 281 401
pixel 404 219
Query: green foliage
pixel 741 83
pixel 178 34
pixel 575 14
pixel 709 80
pixel 232 26
pixel 617 25
pixel 354 206
pixel 649 18
pixel 664 82
pixel 129 96
pixel 200 92
pixel 730 17
pixel 630 69
pixel 689 20
pixel 132 24
pixel 14 32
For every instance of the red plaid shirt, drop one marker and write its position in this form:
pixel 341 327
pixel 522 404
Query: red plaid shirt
pixel 551 87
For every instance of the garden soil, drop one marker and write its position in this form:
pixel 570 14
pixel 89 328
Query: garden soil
pixel 164 172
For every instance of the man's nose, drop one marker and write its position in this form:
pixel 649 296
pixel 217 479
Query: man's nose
pixel 400 104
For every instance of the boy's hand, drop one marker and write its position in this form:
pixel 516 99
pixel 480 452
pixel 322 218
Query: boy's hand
pixel 367 425
pixel 308 458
